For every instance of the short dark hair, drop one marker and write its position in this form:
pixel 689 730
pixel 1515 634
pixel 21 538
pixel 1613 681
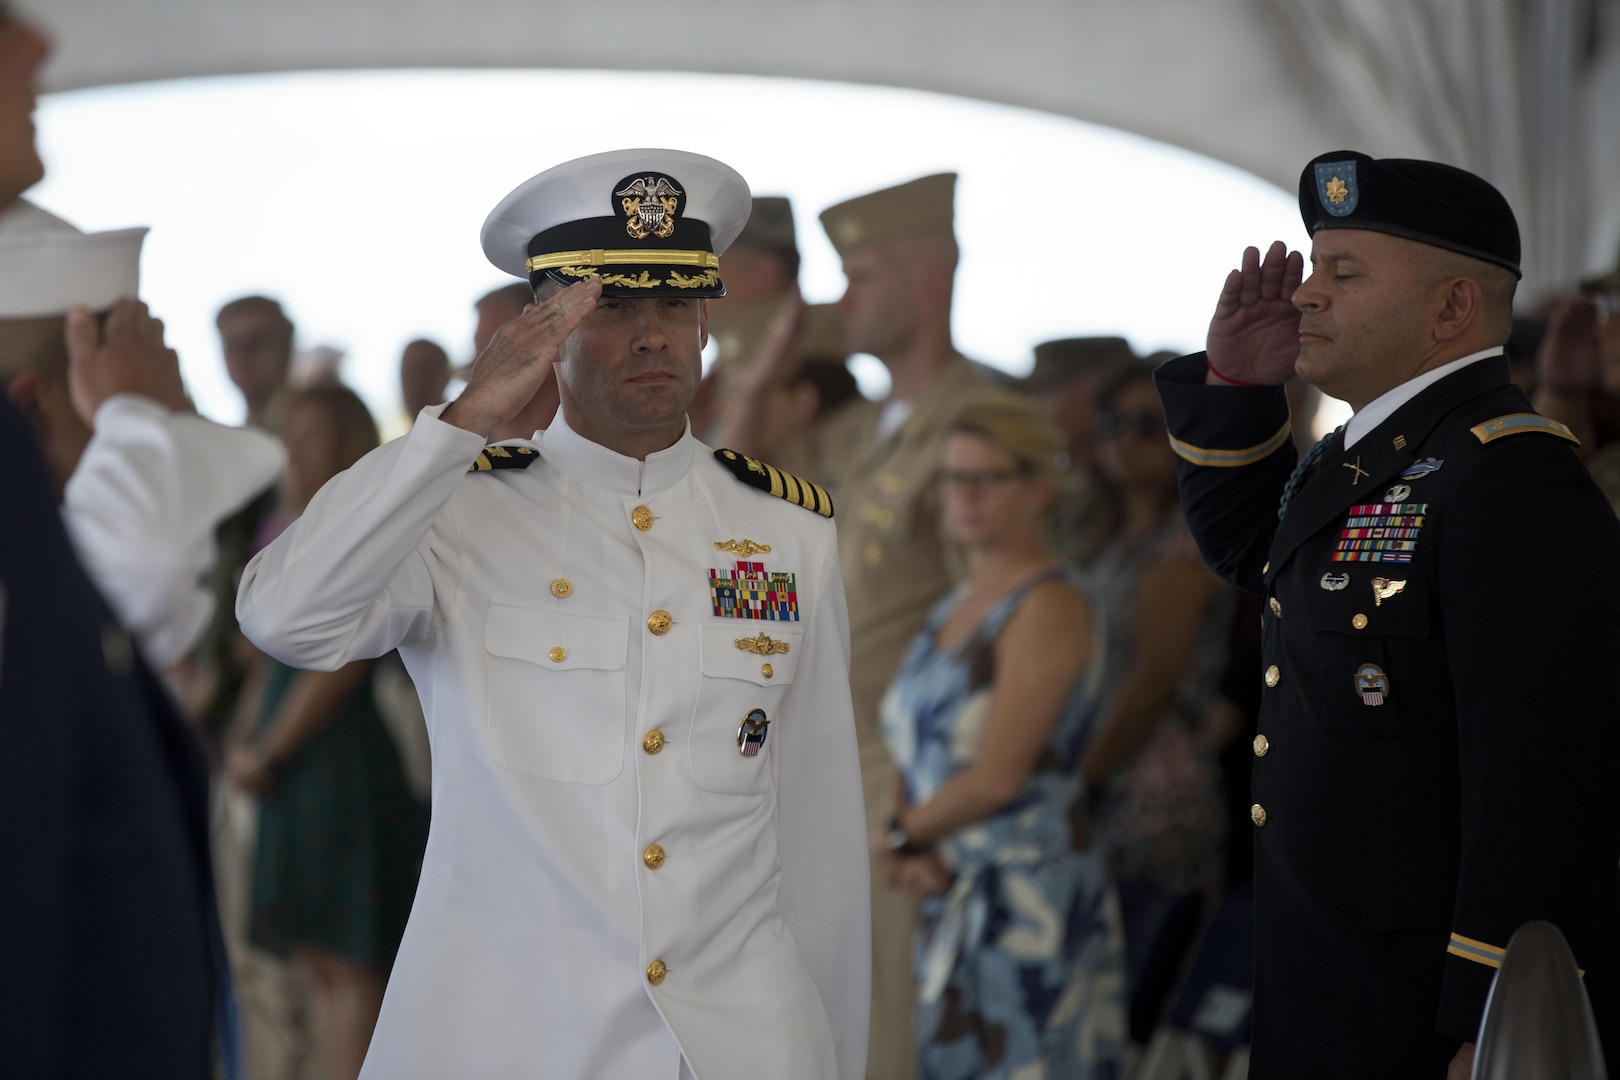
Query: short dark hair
pixel 247 305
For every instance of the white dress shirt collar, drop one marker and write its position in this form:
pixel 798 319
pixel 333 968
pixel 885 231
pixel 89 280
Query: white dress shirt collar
pixel 600 467
pixel 1384 406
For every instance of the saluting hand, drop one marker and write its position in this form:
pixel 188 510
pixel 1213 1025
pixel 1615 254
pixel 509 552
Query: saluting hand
pixel 123 355
pixel 1254 336
pixel 518 360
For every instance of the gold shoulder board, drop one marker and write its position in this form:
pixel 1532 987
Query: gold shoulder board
pixel 1518 423
pixel 769 478
pixel 503 457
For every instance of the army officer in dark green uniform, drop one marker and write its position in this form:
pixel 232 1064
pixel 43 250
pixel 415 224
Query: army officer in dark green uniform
pixel 1440 732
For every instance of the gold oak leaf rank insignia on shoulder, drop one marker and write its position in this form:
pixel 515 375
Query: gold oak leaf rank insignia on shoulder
pixel 769 478
pixel 503 457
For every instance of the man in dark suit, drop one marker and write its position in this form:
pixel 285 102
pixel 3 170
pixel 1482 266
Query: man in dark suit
pixel 110 957
pixel 1440 729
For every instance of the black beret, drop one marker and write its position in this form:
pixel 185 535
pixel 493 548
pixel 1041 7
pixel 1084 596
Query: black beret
pixel 1426 201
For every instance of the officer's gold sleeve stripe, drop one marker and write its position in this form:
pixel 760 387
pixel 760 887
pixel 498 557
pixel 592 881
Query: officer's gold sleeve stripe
pixel 623 257
pixel 1515 423
pixel 1230 459
pixel 1477 951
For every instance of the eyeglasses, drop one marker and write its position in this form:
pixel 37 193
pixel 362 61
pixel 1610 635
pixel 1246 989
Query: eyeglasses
pixel 1142 425
pixel 977 481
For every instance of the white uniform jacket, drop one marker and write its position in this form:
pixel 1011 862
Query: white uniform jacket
pixel 610 885
pixel 141 508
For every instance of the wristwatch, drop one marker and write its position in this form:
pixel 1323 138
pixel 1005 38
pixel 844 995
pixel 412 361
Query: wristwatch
pixel 900 843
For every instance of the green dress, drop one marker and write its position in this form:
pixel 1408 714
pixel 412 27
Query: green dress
pixel 340 839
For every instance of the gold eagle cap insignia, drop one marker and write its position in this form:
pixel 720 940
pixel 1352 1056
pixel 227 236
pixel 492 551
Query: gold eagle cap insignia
pixel 650 204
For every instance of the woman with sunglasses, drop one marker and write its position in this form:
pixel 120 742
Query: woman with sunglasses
pixel 1019 962
pixel 1152 762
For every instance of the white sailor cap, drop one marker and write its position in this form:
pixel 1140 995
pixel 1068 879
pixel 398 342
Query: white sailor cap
pixel 649 222
pixel 47 266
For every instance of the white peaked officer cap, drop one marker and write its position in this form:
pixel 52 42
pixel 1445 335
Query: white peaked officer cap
pixel 47 266
pixel 649 222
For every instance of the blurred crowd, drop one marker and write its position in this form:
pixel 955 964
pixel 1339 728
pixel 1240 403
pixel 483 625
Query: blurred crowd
pixel 1054 697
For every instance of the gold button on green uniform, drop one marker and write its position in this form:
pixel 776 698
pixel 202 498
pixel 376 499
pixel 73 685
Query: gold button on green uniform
pixel 653 741
pixel 656 972
pixel 653 856
pixel 1273 675
pixel 659 622
pixel 1257 814
pixel 1262 746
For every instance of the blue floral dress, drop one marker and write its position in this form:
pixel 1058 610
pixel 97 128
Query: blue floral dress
pixel 1020 963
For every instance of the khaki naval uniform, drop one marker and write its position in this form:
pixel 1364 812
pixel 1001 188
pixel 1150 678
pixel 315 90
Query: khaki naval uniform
pixel 611 887
pixel 895 567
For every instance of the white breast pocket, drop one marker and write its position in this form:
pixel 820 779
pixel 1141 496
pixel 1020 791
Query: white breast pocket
pixel 746 668
pixel 556 692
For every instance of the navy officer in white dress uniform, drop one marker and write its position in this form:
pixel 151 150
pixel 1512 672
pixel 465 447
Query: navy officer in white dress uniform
pixel 647 855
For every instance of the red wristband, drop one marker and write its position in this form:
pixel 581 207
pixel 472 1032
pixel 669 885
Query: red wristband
pixel 1226 378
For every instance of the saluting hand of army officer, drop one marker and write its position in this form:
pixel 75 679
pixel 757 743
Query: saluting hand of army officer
pixel 1254 336
pixel 519 358
pixel 122 354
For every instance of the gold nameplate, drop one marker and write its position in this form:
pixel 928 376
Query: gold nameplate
pixel 763 645
pixel 743 548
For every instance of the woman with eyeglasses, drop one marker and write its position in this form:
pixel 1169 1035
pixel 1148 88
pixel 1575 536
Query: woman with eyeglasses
pixel 1152 762
pixel 1019 955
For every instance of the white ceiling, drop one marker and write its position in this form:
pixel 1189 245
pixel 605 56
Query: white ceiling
pixel 1214 76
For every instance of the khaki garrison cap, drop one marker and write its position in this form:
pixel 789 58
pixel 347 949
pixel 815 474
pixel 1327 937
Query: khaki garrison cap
pixel 1061 360
pixel 770 225
pixel 738 332
pixel 920 206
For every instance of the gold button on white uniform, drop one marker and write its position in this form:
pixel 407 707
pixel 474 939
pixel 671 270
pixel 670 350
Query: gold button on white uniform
pixel 558 655
pixel 656 972
pixel 653 856
pixel 660 621
pixel 562 589
pixel 767 671
pixel 641 518
pixel 653 741
pixel 1257 814
pixel 1273 675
